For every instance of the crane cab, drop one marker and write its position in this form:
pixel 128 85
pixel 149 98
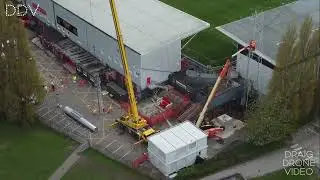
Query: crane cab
pixel 139 129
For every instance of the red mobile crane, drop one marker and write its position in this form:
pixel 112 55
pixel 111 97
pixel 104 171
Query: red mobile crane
pixel 213 131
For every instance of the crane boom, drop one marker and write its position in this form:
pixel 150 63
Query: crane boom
pixel 132 100
pixel 133 122
pixel 251 46
pixel 213 92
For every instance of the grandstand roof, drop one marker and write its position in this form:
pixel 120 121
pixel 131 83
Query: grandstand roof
pixel 145 24
pixel 269 27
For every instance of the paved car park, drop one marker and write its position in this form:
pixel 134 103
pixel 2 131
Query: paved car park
pixel 109 140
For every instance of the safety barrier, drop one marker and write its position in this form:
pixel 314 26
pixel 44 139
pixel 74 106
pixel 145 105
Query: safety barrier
pixel 169 113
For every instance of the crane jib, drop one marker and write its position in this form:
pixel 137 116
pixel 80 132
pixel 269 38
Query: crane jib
pixel 131 95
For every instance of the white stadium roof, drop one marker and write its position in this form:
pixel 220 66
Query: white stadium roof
pixel 145 24
pixel 271 25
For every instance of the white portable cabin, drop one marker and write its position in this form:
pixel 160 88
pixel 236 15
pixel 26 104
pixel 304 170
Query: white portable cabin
pixel 177 147
pixel 152 33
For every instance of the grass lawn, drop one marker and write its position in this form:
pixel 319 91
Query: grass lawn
pixel 31 153
pixel 211 46
pixel 94 166
pixel 281 175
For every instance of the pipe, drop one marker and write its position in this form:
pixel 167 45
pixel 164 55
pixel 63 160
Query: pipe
pixel 78 117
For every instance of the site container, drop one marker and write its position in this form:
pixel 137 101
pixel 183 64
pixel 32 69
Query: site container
pixel 177 147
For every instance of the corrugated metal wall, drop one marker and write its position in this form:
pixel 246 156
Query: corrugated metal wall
pixel 106 48
pixel 260 80
pixel 161 62
pixel 81 26
pixel 157 64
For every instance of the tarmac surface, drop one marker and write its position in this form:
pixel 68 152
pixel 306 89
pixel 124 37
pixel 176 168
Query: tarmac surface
pixel 110 141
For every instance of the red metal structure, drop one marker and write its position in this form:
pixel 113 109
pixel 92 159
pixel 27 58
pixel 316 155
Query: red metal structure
pixel 184 64
pixel 170 112
pixel 82 82
pixel 144 157
pixel 165 101
pixel 213 133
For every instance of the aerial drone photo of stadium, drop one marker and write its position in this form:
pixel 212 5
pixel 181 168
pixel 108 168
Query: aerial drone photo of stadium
pixel 153 87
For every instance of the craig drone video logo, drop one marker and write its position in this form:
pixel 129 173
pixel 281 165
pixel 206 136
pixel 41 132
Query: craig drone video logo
pixel 299 162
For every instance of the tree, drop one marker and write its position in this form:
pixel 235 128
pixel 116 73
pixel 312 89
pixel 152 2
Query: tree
pixel 20 83
pixel 292 89
pixel 270 121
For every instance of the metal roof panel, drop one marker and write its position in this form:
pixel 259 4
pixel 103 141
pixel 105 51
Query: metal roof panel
pixel 270 26
pixel 155 23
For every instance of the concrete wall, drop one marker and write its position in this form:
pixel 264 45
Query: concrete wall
pixel 260 75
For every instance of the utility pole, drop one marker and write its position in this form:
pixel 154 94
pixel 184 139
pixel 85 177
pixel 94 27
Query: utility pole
pixel 247 89
pixel 259 27
pixel 100 101
pixel 317 111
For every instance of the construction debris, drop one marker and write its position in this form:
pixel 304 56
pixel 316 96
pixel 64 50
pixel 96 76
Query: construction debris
pixel 230 124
